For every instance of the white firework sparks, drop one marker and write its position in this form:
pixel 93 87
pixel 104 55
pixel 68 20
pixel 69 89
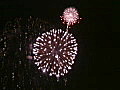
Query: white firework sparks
pixel 54 52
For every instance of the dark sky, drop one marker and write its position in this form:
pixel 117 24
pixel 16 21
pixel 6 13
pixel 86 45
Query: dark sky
pixel 92 69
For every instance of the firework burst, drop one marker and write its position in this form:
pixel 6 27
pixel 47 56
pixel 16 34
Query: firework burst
pixel 70 16
pixel 54 52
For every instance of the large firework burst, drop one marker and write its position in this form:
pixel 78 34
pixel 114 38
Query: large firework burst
pixel 54 52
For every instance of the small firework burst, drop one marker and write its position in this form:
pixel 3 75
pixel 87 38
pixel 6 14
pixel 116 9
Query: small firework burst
pixel 70 16
pixel 54 52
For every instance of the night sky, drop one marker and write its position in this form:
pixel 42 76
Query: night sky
pixel 92 68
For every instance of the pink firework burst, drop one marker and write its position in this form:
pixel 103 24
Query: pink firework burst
pixel 70 16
